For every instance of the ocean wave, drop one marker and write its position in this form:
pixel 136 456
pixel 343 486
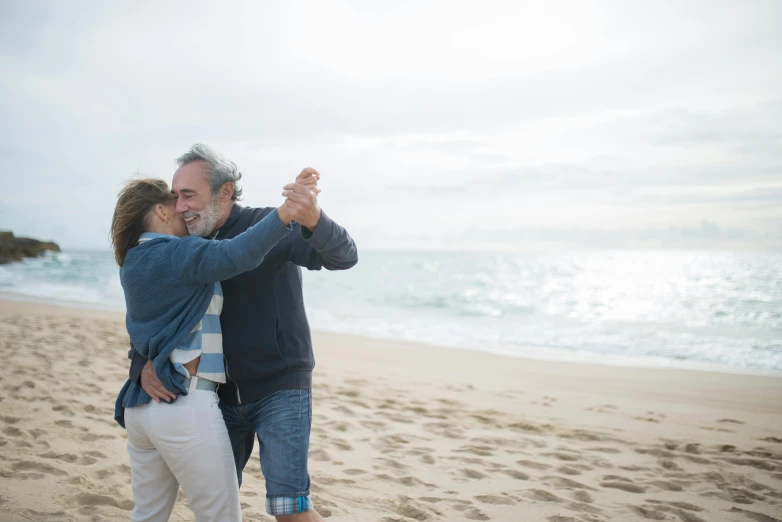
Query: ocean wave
pixel 711 308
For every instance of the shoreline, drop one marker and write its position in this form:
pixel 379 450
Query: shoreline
pixel 553 356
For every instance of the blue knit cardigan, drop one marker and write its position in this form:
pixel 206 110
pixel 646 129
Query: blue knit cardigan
pixel 168 283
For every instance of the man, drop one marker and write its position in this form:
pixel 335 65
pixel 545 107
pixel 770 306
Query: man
pixel 266 336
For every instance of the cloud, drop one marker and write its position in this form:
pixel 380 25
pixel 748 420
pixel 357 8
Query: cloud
pixel 565 115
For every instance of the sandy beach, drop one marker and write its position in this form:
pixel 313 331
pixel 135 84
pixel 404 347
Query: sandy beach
pixel 406 432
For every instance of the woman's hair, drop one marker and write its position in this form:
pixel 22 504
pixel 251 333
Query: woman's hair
pixel 135 200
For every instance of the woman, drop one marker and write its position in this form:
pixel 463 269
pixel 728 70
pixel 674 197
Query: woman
pixel 173 299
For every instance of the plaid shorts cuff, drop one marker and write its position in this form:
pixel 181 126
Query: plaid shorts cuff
pixel 281 506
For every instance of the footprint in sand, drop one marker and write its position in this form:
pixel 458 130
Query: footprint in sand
pixel 97 455
pixel 401 419
pixel 612 451
pixel 12 432
pixel 21 475
pixel 495 500
pixel 474 514
pixel 760 517
pixel 582 496
pixel 388 463
pixel 630 487
pixel 344 409
pixel 657 512
pixel 451 402
pixel 518 475
pixel 765 465
pixel 444 429
pixel 648 513
pixel 374 425
pixel 70 458
pixel 427 459
pixel 94 499
pixel 472 474
pixel 666 485
pixel 532 464
pixel 352 393
pixel 654 452
pixel 39 516
pixel 481 451
pixel 27 465
pixel 64 410
pixel 342 444
pixel 320 455
pixel 647 419
pixel 326 480
pixel 681 505
pixel 568 457
pixel 670 465
pixel 540 495
pixel 407 507
pixel 104 473
pixel 720 430
pixel 565 483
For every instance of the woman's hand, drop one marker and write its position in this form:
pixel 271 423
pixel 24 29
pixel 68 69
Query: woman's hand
pixel 301 205
pixel 309 178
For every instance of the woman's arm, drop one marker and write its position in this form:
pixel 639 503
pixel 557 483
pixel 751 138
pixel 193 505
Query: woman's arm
pixel 199 261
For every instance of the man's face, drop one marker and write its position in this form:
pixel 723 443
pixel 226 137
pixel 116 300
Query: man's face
pixel 195 202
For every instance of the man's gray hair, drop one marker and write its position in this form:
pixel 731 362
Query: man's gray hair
pixel 221 169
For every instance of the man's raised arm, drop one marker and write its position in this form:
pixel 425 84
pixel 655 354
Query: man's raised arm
pixel 325 243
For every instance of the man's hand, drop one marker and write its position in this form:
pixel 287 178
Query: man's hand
pixel 309 178
pixel 152 385
pixel 302 204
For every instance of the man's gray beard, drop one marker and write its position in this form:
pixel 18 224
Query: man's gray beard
pixel 208 220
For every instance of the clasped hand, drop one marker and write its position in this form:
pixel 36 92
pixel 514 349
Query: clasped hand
pixel 301 200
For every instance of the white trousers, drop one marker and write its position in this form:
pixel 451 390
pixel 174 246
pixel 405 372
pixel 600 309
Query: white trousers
pixel 184 443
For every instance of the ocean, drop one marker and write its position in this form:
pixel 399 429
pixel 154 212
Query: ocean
pixel 707 310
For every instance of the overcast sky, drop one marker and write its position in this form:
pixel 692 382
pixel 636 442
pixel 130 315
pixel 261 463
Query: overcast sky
pixel 443 125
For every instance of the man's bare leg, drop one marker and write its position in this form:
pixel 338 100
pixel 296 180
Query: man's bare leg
pixel 309 516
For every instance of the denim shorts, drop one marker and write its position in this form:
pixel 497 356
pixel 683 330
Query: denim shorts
pixel 281 422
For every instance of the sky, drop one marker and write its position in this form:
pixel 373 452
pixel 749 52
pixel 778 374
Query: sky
pixel 435 125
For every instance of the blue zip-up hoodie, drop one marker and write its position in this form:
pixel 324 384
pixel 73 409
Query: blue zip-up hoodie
pixel 168 283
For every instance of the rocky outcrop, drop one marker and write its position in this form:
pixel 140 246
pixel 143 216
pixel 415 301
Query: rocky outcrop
pixel 16 248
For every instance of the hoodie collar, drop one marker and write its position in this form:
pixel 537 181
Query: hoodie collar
pixel 233 217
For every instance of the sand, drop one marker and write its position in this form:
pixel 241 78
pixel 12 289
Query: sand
pixel 406 432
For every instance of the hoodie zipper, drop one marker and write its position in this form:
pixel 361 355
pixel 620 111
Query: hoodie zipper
pixel 238 396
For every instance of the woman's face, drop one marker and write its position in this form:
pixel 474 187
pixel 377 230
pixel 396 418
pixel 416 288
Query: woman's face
pixel 177 224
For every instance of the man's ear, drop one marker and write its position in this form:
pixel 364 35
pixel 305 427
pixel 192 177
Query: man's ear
pixel 227 191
